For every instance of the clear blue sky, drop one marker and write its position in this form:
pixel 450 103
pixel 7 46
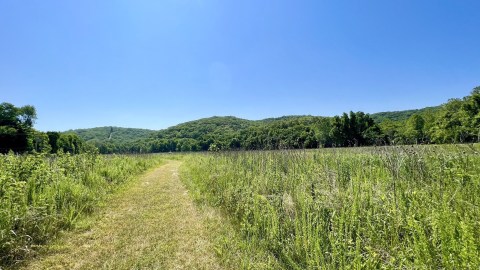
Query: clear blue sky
pixel 154 64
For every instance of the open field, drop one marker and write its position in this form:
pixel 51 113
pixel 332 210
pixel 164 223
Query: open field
pixel 251 135
pixel 364 208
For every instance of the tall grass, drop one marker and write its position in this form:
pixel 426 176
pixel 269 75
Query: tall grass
pixel 41 194
pixel 385 208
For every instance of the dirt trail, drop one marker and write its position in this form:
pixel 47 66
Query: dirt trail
pixel 151 225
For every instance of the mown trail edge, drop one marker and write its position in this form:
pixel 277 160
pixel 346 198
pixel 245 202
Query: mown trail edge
pixel 153 224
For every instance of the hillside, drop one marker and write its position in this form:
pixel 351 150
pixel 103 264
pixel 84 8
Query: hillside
pixel 229 132
pixel 402 115
pixel 454 121
pixel 212 125
pixel 102 134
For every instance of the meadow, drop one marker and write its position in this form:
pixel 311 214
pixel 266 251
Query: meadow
pixel 399 207
pixel 407 207
pixel 42 194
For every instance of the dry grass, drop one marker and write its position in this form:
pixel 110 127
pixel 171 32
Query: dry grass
pixel 151 224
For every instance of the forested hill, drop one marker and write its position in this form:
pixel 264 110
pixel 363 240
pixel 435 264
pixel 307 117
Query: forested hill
pixel 113 139
pixel 402 115
pixel 458 120
pixel 218 125
pixel 112 133
pixel 211 125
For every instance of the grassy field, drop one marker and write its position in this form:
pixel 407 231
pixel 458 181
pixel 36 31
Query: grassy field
pixel 364 208
pixel 409 207
pixel 151 223
pixel 42 194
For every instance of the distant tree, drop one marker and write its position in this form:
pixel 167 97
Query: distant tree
pixel 16 127
pixel 354 129
pixel 456 121
pixel 415 129
pixel 391 130
pixel 448 128
pixel 41 142
pixel 337 132
pixel 471 115
pixel 72 143
pixel 322 129
pixel 27 116
pixel 53 140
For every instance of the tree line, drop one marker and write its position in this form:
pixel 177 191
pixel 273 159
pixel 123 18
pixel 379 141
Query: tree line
pixel 18 135
pixel 457 121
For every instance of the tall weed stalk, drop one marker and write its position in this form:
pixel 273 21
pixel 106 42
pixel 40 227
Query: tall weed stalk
pixel 387 208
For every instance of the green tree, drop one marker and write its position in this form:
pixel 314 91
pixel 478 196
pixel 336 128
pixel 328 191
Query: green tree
pixel 448 128
pixel 41 142
pixel 53 140
pixel 415 129
pixel 471 115
pixel 16 127
pixel 72 143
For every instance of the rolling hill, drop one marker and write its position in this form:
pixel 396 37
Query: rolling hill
pixel 402 115
pixel 454 121
pixel 103 134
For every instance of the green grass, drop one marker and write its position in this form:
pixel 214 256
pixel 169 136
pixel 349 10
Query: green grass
pixel 366 208
pixel 151 223
pixel 42 194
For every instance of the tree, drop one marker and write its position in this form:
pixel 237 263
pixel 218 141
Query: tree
pixel 448 128
pixel 70 142
pixel 16 128
pixel 415 129
pixel 471 115
pixel 41 142
pixel 391 131
pixel 355 129
pixel 53 140
pixel 27 116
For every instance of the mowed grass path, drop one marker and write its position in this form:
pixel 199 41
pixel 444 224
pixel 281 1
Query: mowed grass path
pixel 151 224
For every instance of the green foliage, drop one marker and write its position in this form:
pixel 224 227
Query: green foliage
pixel 116 139
pixel 112 134
pixel 17 134
pixel 415 129
pixel 399 116
pixel 42 194
pixel 364 208
pixel 284 133
pixel 223 131
pixel 53 138
pixel 41 142
pixel 230 133
pixel 16 127
pixel 70 142
pixel 356 129
pixel 457 121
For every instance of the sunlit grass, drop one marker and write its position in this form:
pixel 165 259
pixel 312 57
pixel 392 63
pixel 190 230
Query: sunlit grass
pixel 42 194
pixel 394 207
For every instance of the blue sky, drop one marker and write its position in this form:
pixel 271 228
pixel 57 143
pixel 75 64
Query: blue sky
pixel 154 64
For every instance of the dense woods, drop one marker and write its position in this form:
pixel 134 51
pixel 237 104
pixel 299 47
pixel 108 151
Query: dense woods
pixel 18 135
pixel 457 121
